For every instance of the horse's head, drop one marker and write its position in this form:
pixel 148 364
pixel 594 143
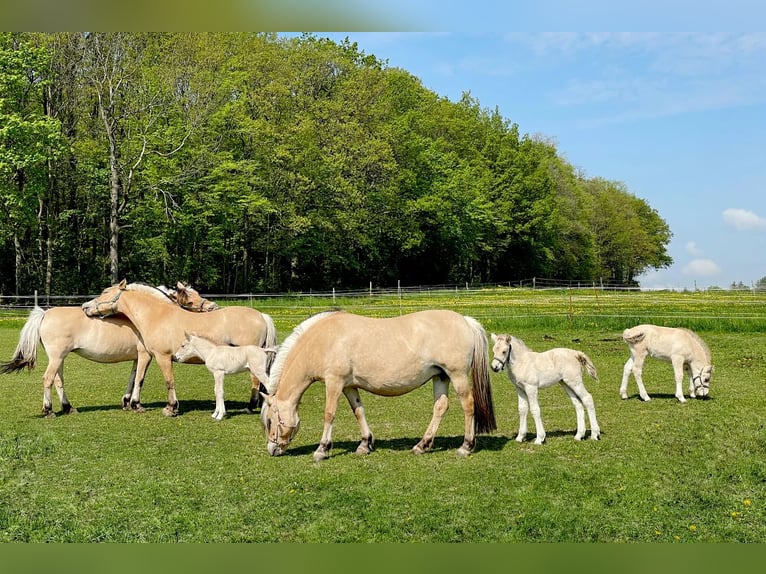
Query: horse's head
pixel 189 298
pixel 701 380
pixel 186 351
pixel 280 422
pixel 501 351
pixel 107 303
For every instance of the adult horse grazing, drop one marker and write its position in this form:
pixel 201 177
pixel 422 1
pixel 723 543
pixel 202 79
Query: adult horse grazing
pixel 388 357
pixel 64 330
pixel 163 327
pixel 530 371
pixel 682 347
pixel 222 360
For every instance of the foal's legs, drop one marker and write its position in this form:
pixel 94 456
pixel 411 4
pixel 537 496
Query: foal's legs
pixel 678 371
pixel 220 406
pixel 534 408
pixel 523 412
pixel 582 398
pixel 355 401
pixel 441 404
pixel 637 363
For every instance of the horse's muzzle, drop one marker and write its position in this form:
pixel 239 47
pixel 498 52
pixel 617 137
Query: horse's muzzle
pixel 497 365
pixel 274 449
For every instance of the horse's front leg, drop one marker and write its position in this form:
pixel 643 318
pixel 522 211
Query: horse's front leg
pixel 220 405
pixel 678 372
pixel 129 389
pixel 441 404
pixel 139 373
pixel 166 366
pixel 523 413
pixel 333 389
pixel 355 401
pixel 534 408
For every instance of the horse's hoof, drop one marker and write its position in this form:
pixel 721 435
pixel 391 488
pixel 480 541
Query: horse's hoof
pixel 168 412
pixel 578 438
pixel 49 414
pixel 624 396
pixel 362 450
pixel 463 452
pixel 320 456
pixel 138 408
pixel 539 440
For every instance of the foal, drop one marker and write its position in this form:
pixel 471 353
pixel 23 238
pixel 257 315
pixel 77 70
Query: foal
pixel 530 371
pixel 224 360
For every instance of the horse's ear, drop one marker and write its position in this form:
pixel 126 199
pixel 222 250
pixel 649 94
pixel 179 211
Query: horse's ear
pixel 123 284
pixel 266 398
pixel 180 286
pixel 493 337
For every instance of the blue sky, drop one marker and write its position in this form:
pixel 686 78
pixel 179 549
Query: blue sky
pixel 679 118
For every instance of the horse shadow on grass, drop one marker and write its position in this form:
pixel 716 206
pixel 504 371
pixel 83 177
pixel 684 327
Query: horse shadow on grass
pixel 441 444
pixel 666 397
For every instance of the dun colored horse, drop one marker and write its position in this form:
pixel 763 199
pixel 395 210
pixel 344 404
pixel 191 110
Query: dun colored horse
pixel 530 372
pixel 163 327
pixel 388 357
pixel 222 360
pixel 682 347
pixel 64 330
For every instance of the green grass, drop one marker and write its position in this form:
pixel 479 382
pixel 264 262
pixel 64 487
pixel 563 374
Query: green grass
pixel 663 471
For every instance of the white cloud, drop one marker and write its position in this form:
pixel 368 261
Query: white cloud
pixel 743 219
pixel 701 267
pixel 692 249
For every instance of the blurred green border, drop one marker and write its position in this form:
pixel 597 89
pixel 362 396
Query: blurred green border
pixel 203 15
pixel 383 558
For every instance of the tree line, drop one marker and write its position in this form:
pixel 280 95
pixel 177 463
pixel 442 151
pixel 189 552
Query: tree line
pixel 248 162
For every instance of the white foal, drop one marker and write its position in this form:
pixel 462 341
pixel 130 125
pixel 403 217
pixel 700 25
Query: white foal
pixel 530 371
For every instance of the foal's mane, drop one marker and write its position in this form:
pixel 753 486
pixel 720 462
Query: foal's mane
pixel 697 339
pixel 516 342
pixel 287 345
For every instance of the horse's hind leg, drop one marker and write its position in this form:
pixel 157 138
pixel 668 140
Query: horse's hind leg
pixel 441 404
pixel 355 401
pixel 626 370
pixel 638 367
pixel 129 389
pixel 58 381
pixel 579 410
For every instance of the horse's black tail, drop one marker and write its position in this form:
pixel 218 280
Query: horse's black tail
pixel 483 408
pixel 25 355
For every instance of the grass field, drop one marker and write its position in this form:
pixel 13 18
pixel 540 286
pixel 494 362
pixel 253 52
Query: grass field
pixel 662 472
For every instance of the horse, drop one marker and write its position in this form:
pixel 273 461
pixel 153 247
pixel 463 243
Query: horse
pixel 682 347
pixel 530 371
pixel 388 357
pixel 186 297
pixel 222 360
pixel 163 327
pixel 63 330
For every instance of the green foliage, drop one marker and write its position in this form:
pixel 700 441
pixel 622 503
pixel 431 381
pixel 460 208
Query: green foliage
pixel 249 162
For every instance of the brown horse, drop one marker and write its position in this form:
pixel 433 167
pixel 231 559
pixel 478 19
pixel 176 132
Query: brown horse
pixel 387 357
pixel 163 327
pixel 64 330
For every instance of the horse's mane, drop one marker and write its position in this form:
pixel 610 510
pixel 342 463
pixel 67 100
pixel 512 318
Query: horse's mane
pixel 516 342
pixel 287 345
pixel 150 290
pixel 697 339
